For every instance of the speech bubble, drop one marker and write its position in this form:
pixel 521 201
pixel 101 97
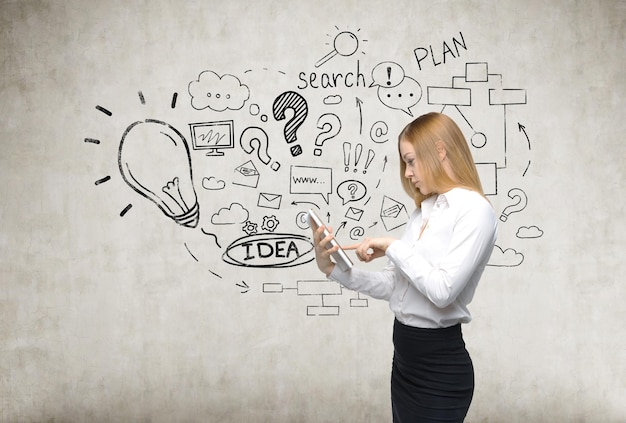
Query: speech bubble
pixel 401 97
pixel 311 180
pixel 387 74
pixel 351 190
pixel 217 92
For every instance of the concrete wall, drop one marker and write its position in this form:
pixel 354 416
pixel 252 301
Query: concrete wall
pixel 113 309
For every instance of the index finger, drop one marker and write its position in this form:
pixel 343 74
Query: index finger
pixel 350 247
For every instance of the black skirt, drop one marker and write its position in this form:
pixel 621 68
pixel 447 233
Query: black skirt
pixel 432 378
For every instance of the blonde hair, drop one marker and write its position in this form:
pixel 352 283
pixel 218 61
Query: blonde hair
pixel 425 133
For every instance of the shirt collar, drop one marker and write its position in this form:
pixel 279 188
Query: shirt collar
pixel 452 197
pixel 441 201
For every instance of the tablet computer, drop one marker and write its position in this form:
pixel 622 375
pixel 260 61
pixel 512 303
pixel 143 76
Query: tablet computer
pixel 341 258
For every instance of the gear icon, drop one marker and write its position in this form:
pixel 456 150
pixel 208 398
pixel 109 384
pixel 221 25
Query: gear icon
pixel 250 228
pixel 270 223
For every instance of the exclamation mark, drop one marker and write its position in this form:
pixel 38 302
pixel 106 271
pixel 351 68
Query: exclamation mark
pixel 357 155
pixel 346 155
pixel 368 161
pixel 388 75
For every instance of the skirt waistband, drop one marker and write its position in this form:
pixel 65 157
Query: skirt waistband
pixel 441 333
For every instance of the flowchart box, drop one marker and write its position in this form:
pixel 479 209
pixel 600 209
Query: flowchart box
pixel 487 172
pixel 318 287
pixel 476 72
pixel 507 96
pixel 358 302
pixel 322 311
pixel 449 96
pixel 273 288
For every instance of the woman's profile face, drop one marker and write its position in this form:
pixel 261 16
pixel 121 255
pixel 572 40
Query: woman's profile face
pixel 413 170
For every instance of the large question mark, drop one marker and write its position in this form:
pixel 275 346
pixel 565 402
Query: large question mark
pixel 294 101
pixel 330 125
pixel 520 203
pixel 258 137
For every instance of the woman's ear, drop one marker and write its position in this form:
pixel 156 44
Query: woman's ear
pixel 441 150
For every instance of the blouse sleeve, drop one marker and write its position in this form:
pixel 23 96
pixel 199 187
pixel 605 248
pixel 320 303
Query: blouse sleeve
pixel 376 284
pixel 468 251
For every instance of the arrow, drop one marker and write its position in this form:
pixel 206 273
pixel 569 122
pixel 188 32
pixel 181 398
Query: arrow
pixel 343 224
pixel 522 128
pixel 244 286
pixel 295 203
pixel 373 224
pixel 359 103
pixel 384 163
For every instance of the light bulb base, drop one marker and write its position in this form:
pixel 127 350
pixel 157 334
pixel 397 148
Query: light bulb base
pixel 189 219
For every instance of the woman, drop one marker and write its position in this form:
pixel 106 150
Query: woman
pixel 432 273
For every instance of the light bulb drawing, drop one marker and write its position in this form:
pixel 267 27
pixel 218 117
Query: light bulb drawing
pixel 154 161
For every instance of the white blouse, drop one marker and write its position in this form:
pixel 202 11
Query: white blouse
pixel 430 280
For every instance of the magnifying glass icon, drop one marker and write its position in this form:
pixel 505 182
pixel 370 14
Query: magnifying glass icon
pixel 345 44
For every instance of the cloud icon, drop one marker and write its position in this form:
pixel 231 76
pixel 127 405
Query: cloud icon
pixel 505 258
pixel 218 92
pixel 232 215
pixel 529 232
pixel 212 183
pixel 332 99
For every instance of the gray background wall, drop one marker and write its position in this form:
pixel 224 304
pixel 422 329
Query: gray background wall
pixel 110 311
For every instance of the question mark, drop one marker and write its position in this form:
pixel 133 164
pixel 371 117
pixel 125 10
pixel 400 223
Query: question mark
pixel 353 189
pixel 258 137
pixel 517 206
pixel 330 125
pixel 294 101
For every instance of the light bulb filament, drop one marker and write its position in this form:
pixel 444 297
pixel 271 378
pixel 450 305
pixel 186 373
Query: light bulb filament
pixel 172 189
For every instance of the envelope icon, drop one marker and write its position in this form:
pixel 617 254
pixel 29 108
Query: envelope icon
pixel 269 201
pixel 246 175
pixel 354 213
pixel 393 213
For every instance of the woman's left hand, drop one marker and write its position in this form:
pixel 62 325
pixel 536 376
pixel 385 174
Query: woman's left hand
pixel 370 248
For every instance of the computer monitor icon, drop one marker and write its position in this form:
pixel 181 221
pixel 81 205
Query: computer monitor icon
pixel 212 136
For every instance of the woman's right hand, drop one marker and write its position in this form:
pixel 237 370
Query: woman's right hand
pixel 322 250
